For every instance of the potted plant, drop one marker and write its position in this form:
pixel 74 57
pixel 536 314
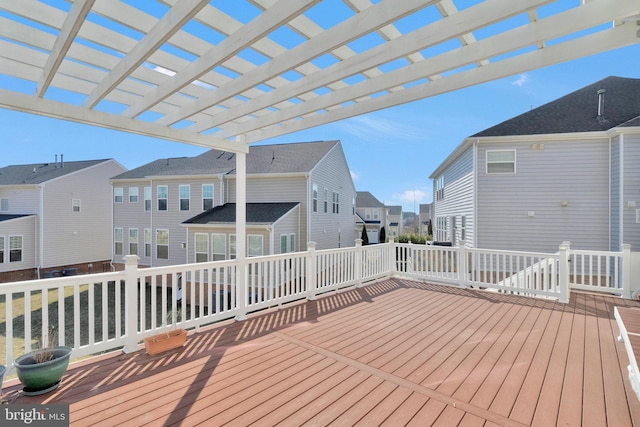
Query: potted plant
pixel 41 370
pixel 165 341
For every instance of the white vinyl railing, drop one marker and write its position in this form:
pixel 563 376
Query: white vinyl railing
pixel 101 312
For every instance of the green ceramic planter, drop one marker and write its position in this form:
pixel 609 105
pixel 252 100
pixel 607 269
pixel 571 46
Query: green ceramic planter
pixel 39 378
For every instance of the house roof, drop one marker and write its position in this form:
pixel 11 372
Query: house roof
pixel 38 173
pixel 257 213
pixel 578 111
pixel 395 210
pixel 366 199
pixel 298 157
pixel 7 217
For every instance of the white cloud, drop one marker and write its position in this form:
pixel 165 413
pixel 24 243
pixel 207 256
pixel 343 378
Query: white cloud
pixel 522 79
pixel 354 176
pixel 411 196
pixel 372 128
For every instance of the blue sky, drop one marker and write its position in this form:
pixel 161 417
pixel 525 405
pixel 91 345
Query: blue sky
pixel 391 153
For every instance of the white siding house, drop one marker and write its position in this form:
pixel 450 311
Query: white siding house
pixel 193 195
pixel 566 171
pixel 55 218
pixel 371 214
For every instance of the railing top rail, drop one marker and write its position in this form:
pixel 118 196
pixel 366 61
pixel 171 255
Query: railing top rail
pixel 55 282
pixel 519 253
pixel 186 267
pixel 597 253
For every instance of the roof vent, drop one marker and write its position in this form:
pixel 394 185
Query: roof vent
pixel 601 102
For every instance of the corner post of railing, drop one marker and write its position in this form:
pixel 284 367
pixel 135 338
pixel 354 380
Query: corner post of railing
pixel 131 303
pixel 462 264
pixel 359 262
pixel 625 248
pixel 563 271
pixel 409 258
pixel 393 257
pixel 312 268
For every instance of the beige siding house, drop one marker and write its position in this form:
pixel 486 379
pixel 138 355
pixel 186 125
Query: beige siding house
pixel 566 171
pixel 395 221
pixel 372 214
pixel 296 193
pixel 55 218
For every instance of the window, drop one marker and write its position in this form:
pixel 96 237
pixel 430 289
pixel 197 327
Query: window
pixel 292 242
pixel 4 204
pixel 163 197
pixel 202 247
pixel 440 188
pixel 463 226
pixel 503 161
pixel 15 248
pixel 283 244
pixel 219 247
pixel 376 215
pixel 118 195
pixel 254 245
pixel 147 242
pixel 133 194
pixel 1 249
pixel 185 195
pixel 207 196
pixel 147 198
pixel 367 214
pixel 162 244
pixel 336 203
pixel 118 241
pixel 133 241
pixel 75 205
pixel 326 200
pixel 232 246
pixel 315 197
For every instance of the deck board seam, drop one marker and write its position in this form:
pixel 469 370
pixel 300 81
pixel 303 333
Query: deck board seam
pixel 430 393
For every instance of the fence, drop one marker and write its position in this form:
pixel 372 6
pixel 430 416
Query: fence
pixel 106 311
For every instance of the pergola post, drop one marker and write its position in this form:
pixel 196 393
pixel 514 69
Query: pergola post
pixel 241 231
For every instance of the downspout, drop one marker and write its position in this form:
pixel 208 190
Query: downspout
pixel 113 223
pixel 309 205
pixel 40 234
pixel 474 244
pixel 151 237
pixel 221 184
pixel 621 201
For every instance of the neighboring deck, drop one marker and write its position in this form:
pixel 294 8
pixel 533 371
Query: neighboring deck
pixel 393 353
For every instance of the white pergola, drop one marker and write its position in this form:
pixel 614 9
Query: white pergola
pixel 230 75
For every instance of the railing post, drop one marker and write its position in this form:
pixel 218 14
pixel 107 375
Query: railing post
pixel 563 271
pixel 312 275
pixel 393 257
pixel 131 303
pixel 358 260
pixel 625 248
pixel 462 264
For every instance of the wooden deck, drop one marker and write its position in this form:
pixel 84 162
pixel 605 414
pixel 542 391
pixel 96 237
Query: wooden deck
pixel 393 353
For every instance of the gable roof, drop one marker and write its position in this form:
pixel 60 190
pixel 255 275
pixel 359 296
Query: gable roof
pixel 257 213
pixel 395 210
pixel 578 111
pixel 365 199
pixel 37 173
pixel 298 157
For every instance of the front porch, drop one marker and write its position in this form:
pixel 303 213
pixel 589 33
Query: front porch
pixel 393 352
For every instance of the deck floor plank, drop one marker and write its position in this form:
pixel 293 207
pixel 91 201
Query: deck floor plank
pixel 393 353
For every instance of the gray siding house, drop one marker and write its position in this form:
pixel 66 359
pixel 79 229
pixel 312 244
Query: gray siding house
pixel 183 209
pixel 372 214
pixel 424 218
pixel 395 221
pixel 53 218
pixel 566 171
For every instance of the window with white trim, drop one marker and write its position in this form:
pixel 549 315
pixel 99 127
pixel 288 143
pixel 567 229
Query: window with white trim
pixel 2 250
pixel 201 247
pixel 118 195
pixel 185 196
pixel 336 203
pixel 232 246
pixel 501 161
pixel 326 200
pixel 75 205
pixel 292 242
pixel 147 242
pixel 163 197
pixel 440 188
pixel 4 204
pixel 133 241
pixel 284 244
pixel 147 198
pixel 207 196
pixel 218 246
pixel 133 194
pixel 254 245
pixel 15 248
pixel 162 244
pixel 118 241
pixel 315 197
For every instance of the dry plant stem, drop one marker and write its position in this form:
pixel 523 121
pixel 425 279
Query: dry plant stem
pixel 44 351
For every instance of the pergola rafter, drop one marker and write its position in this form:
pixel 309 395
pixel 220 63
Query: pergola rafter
pixel 189 71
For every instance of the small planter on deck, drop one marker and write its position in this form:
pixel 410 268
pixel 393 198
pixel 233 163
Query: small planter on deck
pixel 164 342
